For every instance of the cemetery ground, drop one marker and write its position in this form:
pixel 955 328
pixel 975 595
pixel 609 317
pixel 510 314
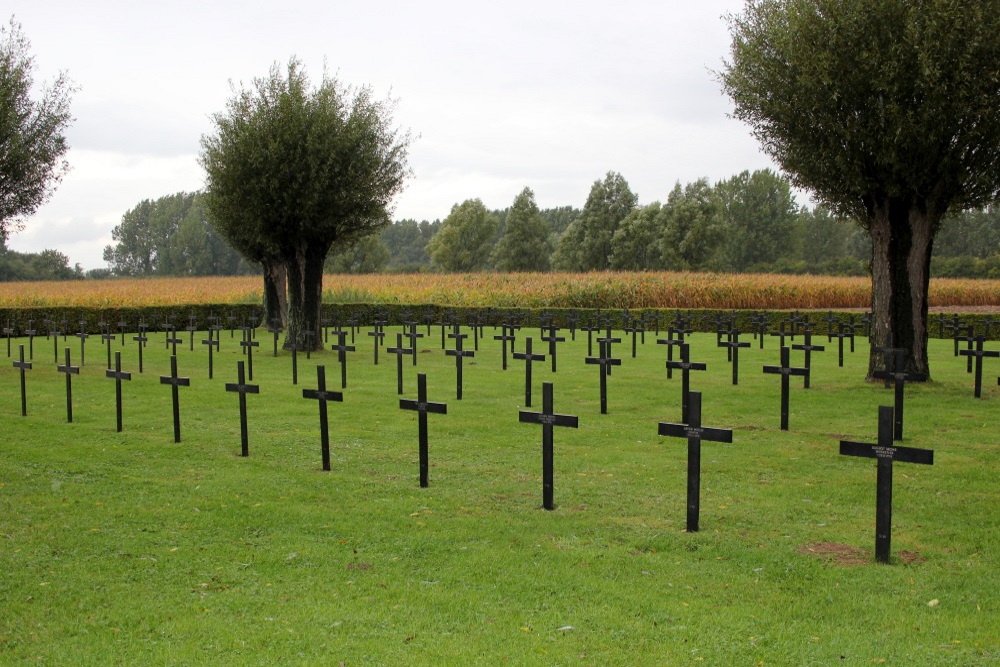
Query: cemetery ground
pixel 128 547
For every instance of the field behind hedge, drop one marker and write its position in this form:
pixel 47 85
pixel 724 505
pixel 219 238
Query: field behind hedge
pixel 504 290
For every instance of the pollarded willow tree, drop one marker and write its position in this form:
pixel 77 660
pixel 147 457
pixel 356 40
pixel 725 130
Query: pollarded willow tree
pixel 889 112
pixel 293 170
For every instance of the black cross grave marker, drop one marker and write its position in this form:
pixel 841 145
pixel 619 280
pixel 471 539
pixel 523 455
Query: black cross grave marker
pixel 173 339
pixel 378 334
pixel 342 348
pixel 895 370
pixel 675 339
pixel 248 344
pixel 695 433
pixel 761 323
pixel 459 354
pixel 528 357
pixel 107 336
pixel 295 347
pixel 733 344
pixel 8 332
pixel 604 362
pixel 782 334
pixel 504 337
pixel 830 320
pixel 548 419
pixel 118 374
pixel 685 366
pixel 970 339
pixel 191 328
pixel 808 348
pixel 243 388
pixel 70 371
pixel 323 396
pixel 413 335
pixel 213 343
pixel 422 406
pixel 785 370
pixel 141 340
pixel 885 453
pixel 634 327
pixel 30 333
pixel 552 339
pixel 275 330
pixel 979 353
pixel 174 383
pixel 83 336
pixel 399 351
pixel 595 325
pixel 23 366
pixel 609 339
pixel 310 337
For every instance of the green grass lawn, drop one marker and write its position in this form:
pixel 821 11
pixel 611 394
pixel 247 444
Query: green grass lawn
pixel 130 548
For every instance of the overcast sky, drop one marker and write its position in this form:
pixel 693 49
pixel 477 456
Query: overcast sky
pixel 498 95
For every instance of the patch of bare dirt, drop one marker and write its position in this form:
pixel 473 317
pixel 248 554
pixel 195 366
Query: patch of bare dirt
pixel 845 554
pixel 842 554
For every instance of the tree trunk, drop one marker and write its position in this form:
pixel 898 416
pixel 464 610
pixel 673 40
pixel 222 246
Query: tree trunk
pixel 305 289
pixel 275 296
pixel 902 237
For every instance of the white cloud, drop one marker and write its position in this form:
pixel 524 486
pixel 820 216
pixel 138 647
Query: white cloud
pixel 549 95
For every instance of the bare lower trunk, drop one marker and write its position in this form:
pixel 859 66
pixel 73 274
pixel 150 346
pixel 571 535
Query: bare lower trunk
pixel 305 289
pixel 902 237
pixel 275 296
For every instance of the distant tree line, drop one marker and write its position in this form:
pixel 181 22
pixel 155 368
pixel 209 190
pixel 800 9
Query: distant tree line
pixel 748 223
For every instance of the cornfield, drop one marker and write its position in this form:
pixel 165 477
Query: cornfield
pixel 506 290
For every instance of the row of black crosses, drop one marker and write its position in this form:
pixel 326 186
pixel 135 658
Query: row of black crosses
pixel 893 370
pixel 890 419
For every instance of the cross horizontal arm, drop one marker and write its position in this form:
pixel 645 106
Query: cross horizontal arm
pixel 243 388
pixel 702 433
pixel 784 370
pixel 904 454
pixel 323 395
pixel 548 419
pixel 410 404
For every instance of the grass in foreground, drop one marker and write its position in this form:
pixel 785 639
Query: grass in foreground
pixel 129 547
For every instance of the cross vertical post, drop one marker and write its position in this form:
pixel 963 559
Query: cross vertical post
pixel 323 396
pixel 174 383
pixel 70 371
pixel 885 453
pixel 785 370
pixel 695 433
pixel 23 366
pixel 243 389
pixel 422 406
pixel 548 419
pixel 685 365
pixel 399 351
pixel 118 374
pixel 528 357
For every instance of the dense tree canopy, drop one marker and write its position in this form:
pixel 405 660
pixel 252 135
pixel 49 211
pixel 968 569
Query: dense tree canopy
pixel 171 236
pixel 887 111
pixel 758 213
pixel 586 243
pixel 524 245
pixel 465 239
pixel 32 145
pixel 293 170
